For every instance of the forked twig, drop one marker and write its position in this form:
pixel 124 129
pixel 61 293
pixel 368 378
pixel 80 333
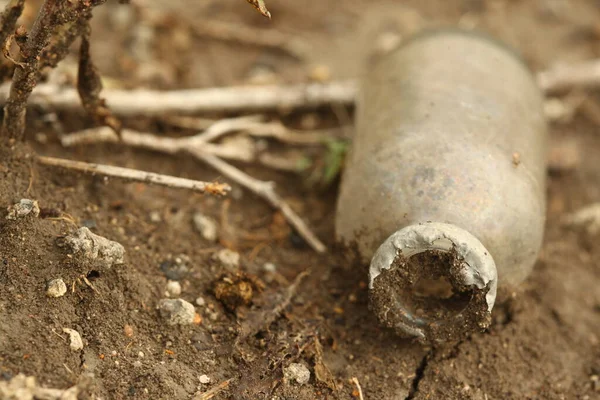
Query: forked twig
pixel 129 174
pixel 198 147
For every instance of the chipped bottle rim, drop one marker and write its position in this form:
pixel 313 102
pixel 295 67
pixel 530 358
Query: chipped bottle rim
pixel 477 271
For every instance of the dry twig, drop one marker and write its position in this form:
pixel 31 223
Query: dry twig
pixel 129 174
pixel 262 319
pixel 262 98
pixel 567 77
pixel 89 86
pixel 260 7
pixel 212 392
pixel 198 147
pixel 195 101
pixel 360 392
pixel 251 36
pixel 52 14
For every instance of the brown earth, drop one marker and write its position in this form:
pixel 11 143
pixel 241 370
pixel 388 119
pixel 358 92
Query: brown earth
pixel 543 342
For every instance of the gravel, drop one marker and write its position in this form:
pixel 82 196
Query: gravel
pixel 75 339
pixel 56 288
pixel 95 248
pixel 23 208
pixel 297 372
pixel 228 258
pixel 207 227
pixel 176 311
pixel 173 289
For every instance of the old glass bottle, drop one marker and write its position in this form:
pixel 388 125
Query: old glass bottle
pixel 444 186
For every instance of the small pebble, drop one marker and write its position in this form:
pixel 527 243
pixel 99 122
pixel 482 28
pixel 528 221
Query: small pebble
pixel 95 248
pixel 228 258
pixel 176 269
pixel 204 379
pixel 113 353
pixel 141 354
pixel 56 288
pixel 23 208
pixel 200 301
pixel 155 217
pixel 128 330
pixel 75 339
pixel 269 267
pixel 173 288
pixel 297 372
pixel 206 226
pixel 176 311
pixel 137 364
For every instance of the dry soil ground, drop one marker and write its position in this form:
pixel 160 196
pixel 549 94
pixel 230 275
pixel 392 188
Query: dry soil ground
pixel 544 342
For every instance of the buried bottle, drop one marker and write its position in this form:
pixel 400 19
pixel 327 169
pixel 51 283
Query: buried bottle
pixel 444 186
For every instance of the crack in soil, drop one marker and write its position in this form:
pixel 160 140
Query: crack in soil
pixel 419 374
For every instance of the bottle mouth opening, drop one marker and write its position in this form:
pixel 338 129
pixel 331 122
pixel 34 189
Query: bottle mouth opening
pixel 431 291
pixel 433 281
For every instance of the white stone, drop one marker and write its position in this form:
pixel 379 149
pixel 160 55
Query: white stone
pixel 95 248
pixel 176 311
pixel 173 288
pixel 56 288
pixel 23 208
pixel 228 258
pixel 207 227
pixel 269 267
pixel 75 339
pixel 200 301
pixel 297 372
pixel 204 379
pixel 155 216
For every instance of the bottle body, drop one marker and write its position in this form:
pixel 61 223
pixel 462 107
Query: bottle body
pixel 449 129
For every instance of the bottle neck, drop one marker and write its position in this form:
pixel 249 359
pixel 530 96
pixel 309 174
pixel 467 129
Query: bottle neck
pixel 434 281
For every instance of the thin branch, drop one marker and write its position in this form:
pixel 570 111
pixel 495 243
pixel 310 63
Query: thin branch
pixel 265 190
pixel 202 150
pixel 52 14
pixel 59 49
pixel 270 97
pixel 212 392
pixel 89 85
pixel 251 36
pixel 129 174
pixel 360 392
pixel 239 150
pixel 25 77
pixel 263 318
pixel 570 76
pixel 195 101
